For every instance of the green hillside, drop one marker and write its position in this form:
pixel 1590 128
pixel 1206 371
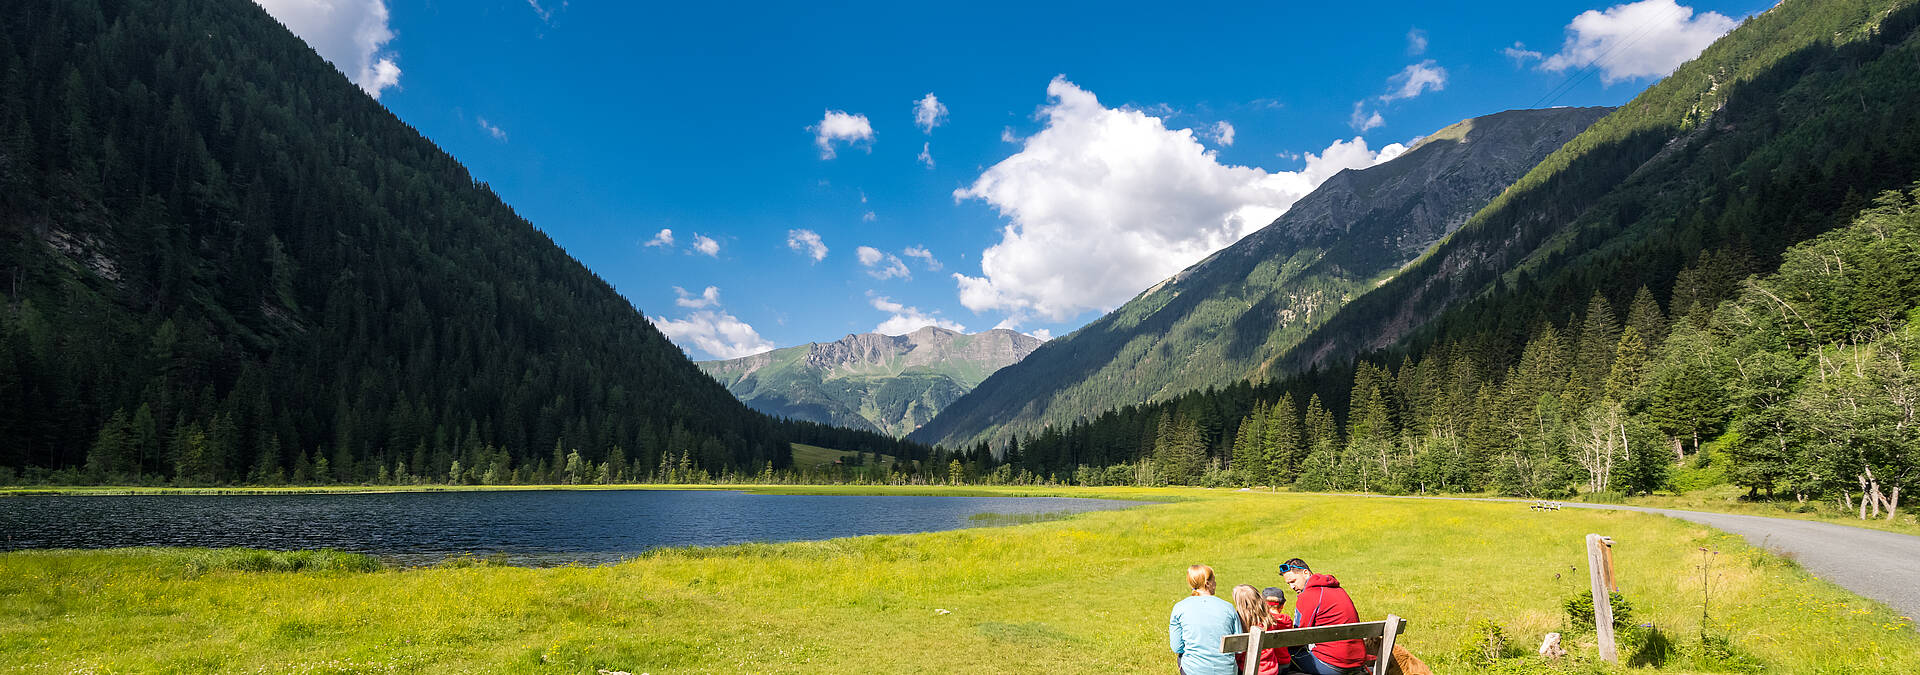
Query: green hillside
pixel 1227 317
pixel 223 262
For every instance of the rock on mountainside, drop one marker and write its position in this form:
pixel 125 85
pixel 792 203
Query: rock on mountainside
pixel 1229 317
pixel 888 383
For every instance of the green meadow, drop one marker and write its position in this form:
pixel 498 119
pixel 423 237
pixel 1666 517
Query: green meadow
pixel 1089 592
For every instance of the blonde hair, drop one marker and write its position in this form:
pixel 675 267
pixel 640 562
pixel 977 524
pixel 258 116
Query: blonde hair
pixel 1253 608
pixel 1200 577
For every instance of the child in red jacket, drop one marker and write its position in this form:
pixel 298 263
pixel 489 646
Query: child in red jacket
pixel 1257 612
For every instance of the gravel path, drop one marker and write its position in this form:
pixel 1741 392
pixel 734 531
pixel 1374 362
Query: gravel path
pixel 1881 565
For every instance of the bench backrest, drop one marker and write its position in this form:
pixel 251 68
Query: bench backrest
pixel 1253 641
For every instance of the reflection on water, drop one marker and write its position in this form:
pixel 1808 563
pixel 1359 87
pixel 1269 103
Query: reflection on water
pixel 528 527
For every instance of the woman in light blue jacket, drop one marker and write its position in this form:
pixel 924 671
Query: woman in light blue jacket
pixel 1197 625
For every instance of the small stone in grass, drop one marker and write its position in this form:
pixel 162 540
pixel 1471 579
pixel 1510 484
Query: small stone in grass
pixel 941 612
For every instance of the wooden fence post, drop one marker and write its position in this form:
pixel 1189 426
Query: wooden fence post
pixel 1600 571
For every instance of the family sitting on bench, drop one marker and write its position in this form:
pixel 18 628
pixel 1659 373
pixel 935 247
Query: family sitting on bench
pixel 1201 621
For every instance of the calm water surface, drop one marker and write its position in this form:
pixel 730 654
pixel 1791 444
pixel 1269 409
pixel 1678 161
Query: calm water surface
pixel 528 527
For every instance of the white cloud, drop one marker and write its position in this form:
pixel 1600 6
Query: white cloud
pixel 907 319
pixel 352 34
pixel 1222 133
pixel 807 243
pixel 496 132
pixel 1105 202
pixel 925 256
pixel 1641 39
pixel 719 334
pixel 663 238
pixel 706 298
pixel 1041 333
pixel 1364 120
pixel 1007 135
pixel 1520 54
pixel 869 217
pixel 1416 41
pixel 839 127
pixel 881 264
pixel 929 112
pixel 705 244
pixel 545 13
pixel 1415 80
pixel 926 154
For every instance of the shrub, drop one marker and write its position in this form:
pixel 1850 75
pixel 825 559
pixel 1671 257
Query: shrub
pixel 1580 611
pixel 1604 498
pixel 1485 643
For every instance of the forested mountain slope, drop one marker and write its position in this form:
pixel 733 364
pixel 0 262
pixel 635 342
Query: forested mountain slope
pixel 1612 294
pixel 223 262
pixel 1777 132
pixel 887 383
pixel 1228 316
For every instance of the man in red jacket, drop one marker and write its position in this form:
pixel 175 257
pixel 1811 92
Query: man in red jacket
pixel 1320 601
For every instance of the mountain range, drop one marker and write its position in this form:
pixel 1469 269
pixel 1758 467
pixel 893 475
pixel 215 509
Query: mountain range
pixel 886 383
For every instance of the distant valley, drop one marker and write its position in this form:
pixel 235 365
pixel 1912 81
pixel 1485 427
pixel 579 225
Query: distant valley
pixel 886 383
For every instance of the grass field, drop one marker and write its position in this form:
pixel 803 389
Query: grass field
pixel 1081 594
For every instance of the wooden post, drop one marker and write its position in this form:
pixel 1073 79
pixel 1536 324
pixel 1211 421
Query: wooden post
pixel 1600 571
pixel 1387 634
pixel 1252 655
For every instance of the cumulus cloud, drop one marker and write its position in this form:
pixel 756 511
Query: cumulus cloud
pixel 881 264
pixel 719 334
pixel 1041 333
pixel 705 244
pixel 1364 120
pixel 929 112
pixel 839 127
pixel 926 154
pixel 807 243
pixel 1007 135
pixel 1648 38
pixel 1416 42
pixel 710 328
pixel 352 34
pixel 496 132
pixel 1131 200
pixel 1416 79
pixel 1222 133
pixel 907 319
pixel 706 298
pixel 925 257
pixel 663 238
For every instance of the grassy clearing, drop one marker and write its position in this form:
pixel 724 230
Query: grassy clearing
pixel 1085 593
pixel 1730 499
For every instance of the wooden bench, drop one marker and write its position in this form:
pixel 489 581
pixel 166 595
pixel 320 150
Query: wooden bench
pixel 1382 631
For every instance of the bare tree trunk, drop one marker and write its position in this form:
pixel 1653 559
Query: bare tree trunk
pixel 1893 502
pixel 1864 497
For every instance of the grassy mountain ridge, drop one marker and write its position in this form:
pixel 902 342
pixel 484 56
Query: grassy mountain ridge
pixel 887 383
pixel 1228 316
pixel 226 263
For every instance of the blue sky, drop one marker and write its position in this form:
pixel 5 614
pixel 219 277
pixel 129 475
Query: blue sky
pixel 1072 154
